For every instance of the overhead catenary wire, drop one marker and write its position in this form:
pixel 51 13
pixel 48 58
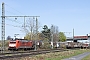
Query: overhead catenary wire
pixel 14 9
pixel 18 12
pixel 3 22
pixel 18 26
pixel 16 17
pixel 15 26
pixel 12 25
pixel 7 11
pixel 13 20
pixel 17 22
pixel 10 12
pixel 14 14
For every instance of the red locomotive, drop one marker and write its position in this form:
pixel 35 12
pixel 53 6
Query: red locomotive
pixel 21 44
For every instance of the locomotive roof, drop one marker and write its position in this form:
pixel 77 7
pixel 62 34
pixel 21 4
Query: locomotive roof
pixel 23 40
pixel 20 39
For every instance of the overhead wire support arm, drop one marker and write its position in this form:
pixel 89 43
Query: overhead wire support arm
pixel 20 16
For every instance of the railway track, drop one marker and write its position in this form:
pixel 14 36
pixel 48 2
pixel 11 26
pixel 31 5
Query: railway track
pixel 28 53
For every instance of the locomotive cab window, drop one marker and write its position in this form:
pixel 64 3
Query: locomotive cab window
pixel 12 42
pixel 23 43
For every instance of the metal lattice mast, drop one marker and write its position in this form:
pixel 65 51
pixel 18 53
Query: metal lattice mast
pixel 3 27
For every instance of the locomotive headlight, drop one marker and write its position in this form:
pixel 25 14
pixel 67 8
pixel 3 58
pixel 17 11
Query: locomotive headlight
pixel 12 45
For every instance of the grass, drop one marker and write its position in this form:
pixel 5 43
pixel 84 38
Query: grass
pixel 86 58
pixel 66 54
pixel 56 55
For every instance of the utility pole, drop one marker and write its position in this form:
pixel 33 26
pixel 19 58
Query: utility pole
pixel 73 34
pixel 24 22
pixel 36 32
pixel 3 28
pixel 31 26
pixel 52 36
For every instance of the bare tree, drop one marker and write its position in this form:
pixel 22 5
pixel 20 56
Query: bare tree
pixel 30 28
pixel 55 33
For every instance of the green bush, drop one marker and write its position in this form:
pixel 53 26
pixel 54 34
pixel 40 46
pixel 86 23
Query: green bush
pixel 46 45
pixel 6 43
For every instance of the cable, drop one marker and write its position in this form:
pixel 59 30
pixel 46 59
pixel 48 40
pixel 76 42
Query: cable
pixel 13 9
pixel 22 27
pixel 10 12
pixel 14 21
pixel 12 25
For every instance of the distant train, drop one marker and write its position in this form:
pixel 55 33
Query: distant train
pixel 72 45
pixel 76 45
pixel 21 44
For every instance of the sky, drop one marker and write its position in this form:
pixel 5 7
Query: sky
pixel 66 14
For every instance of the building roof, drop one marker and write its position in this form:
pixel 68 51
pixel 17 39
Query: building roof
pixel 78 38
pixel 81 37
